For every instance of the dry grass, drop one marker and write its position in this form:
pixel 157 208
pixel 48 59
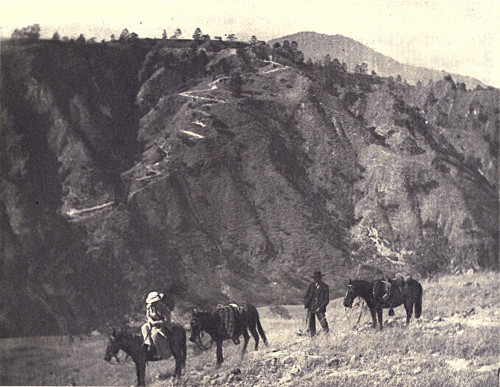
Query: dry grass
pixel 450 345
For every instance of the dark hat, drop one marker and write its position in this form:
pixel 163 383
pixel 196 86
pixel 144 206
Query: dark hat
pixel 317 274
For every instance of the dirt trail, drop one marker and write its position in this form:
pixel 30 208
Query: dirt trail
pixel 74 213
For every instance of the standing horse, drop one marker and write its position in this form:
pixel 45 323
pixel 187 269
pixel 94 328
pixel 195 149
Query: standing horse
pixel 133 346
pixel 409 294
pixel 211 323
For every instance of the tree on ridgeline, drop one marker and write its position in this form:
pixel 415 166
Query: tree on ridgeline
pixel 56 36
pixel 298 56
pixel 288 53
pixel 361 69
pixel 81 39
pixel 164 34
pixel 253 40
pixel 177 34
pixel 232 37
pixel 327 60
pixel 244 55
pixel 112 38
pixel 124 35
pixel 29 33
pixel 197 34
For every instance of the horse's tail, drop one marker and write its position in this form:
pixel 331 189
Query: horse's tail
pixel 418 303
pixel 260 329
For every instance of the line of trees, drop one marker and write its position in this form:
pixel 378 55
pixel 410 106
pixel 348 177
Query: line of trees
pixel 29 33
pixel 33 33
pixel 288 53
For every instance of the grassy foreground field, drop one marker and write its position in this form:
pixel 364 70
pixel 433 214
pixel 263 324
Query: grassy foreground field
pixel 455 343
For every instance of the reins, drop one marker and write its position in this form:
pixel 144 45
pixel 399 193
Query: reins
pixel 346 312
pixel 199 342
pixel 118 362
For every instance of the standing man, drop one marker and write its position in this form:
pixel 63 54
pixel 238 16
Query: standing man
pixel 315 301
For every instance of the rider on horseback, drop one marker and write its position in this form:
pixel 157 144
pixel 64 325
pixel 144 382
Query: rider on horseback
pixel 158 315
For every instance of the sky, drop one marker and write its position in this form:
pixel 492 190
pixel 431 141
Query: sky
pixel 458 36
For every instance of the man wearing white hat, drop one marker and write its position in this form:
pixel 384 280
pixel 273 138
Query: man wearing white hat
pixel 158 323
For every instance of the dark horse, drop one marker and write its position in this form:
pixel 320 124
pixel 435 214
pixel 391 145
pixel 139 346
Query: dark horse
pixel 133 346
pixel 211 323
pixel 409 294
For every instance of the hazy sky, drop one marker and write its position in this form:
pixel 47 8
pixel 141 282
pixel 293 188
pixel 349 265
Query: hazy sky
pixel 454 35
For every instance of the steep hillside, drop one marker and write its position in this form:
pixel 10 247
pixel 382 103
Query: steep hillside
pixel 352 52
pixel 134 166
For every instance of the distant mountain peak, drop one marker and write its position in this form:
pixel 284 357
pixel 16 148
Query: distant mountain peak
pixel 316 45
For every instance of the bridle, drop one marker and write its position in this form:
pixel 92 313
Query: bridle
pixel 347 310
pixel 115 355
pixel 198 340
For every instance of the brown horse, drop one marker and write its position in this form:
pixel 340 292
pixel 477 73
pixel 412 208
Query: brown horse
pixel 409 295
pixel 133 346
pixel 210 322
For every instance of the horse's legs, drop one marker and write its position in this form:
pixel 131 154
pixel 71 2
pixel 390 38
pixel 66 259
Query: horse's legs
pixel 220 358
pixel 178 366
pixel 177 354
pixel 246 336
pixel 140 367
pixel 409 312
pixel 379 315
pixel 374 318
pixel 255 334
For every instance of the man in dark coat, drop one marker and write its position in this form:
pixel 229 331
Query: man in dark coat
pixel 315 301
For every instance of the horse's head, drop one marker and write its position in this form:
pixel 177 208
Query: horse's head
pixel 112 348
pixel 197 324
pixel 350 295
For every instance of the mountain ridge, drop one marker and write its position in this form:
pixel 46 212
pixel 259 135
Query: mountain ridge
pixel 345 49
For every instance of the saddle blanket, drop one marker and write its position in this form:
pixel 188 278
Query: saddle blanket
pixel 228 315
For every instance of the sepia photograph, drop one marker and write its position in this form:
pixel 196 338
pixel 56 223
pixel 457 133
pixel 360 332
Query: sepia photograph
pixel 249 193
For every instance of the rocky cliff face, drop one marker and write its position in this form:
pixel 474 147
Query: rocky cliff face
pixel 127 168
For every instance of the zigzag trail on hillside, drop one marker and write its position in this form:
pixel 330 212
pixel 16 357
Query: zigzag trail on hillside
pixel 213 85
pixel 74 213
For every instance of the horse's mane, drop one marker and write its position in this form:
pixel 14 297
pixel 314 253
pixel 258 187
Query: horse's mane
pixel 126 335
pixel 360 282
pixel 203 312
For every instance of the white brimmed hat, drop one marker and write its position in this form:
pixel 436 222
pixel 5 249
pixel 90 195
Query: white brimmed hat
pixel 153 297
